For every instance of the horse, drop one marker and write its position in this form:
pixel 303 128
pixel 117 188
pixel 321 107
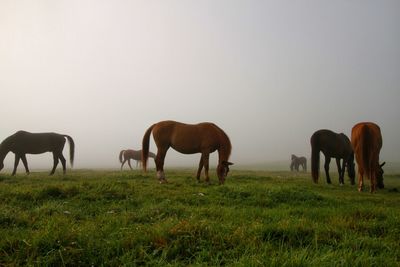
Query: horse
pixel 128 154
pixel 297 161
pixel 22 143
pixel 204 138
pixel 332 145
pixel 366 139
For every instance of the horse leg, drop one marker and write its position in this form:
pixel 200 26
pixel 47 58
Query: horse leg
pixel 55 163
pixel 200 168
pixel 373 181
pixel 122 165
pixel 129 163
pixel 25 162
pixel 159 160
pixel 17 157
pixel 340 171
pixel 63 161
pixel 326 166
pixel 360 180
pixel 206 157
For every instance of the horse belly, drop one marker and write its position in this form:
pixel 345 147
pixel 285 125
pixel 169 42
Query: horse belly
pixel 186 149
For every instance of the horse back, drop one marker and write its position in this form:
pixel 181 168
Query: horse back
pixel 331 144
pixel 133 154
pixel 35 143
pixel 366 139
pixel 189 138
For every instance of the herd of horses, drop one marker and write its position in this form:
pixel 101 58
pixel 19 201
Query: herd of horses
pixel 206 138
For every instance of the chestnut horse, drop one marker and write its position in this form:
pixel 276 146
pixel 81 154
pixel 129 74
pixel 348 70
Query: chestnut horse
pixel 202 138
pixel 22 143
pixel 297 161
pixel 366 139
pixel 128 154
pixel 332 145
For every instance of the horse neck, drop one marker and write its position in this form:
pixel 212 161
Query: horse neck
pixel 3 152
pixel 223 154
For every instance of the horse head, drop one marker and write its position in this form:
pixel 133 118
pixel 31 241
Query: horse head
pixel 351 169
pixel 3 154
pixel 379 176
pixel 222 170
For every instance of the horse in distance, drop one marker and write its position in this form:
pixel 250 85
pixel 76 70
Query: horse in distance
pixel 128 154
pixel 332 145
pixel 204 138
pixel 298 161
pixel 366 139
pixel 22 143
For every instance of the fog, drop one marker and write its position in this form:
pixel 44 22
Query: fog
pixel 270 73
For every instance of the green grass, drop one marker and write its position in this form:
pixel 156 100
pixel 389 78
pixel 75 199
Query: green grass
pixel 258 218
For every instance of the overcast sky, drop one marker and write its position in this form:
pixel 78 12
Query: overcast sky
pixel 270 73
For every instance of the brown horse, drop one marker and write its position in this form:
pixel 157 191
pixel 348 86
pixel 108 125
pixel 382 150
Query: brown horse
pixel 202 138
pixel 298 161
pixel 332 145
pixel 366 139
pixel 22 143
pixel 128 154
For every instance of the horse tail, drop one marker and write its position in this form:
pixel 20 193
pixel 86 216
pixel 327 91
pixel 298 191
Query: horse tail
pixel 366 137
pixel 145 147
pixel 120 155
pixel 71 149
pixel 314 159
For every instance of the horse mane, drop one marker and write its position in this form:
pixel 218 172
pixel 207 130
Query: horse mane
pixel 226 148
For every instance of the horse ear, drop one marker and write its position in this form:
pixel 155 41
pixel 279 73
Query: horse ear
pixel 227 163
pixel 382 164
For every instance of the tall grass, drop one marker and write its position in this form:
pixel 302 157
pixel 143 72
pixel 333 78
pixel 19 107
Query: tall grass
pixel 258 218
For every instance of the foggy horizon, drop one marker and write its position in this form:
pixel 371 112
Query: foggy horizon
pixel 269 73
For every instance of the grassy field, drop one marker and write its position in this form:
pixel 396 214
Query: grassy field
pixel 258 218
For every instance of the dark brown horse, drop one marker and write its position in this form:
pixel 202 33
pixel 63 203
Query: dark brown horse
pixel 128 154
pixel 22 143
pixel 366 139
pixel 298 161
pixel 332 145
pixel 204 138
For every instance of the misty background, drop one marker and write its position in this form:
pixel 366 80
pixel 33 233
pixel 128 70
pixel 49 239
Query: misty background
pixel 270 73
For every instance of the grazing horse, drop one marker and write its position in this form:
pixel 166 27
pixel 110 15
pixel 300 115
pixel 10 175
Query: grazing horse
pixel 297 161
pixel 22 143
pixel 202 138
pixel 332 145
pixel 366 139
pixel 127 155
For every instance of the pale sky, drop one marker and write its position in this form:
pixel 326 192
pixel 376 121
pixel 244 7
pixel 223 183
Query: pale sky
pixel 270 73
